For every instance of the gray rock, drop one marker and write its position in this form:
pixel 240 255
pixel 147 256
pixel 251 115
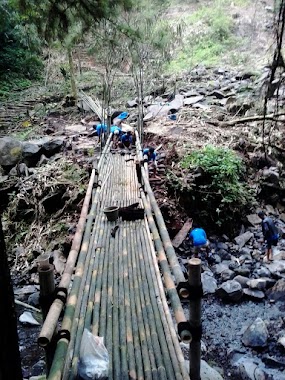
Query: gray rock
pixel 277 292
pixel 254 294
pixel 131 103
pixel 271 210
pixel 258 283
pixel 224 255
pixel 271 175
pixel 193 99
pixel 245 251
pixel 34 299
pixel 242 280
pixel 30 149
pixel 219 268
pixel 253 219
pixel 256 334
pixel 27 318
pixel 227 275
pixel 230 291
pixel 217 94
pixel 243 271
pixel 25 290
pixel 276 267
pixel 10 151
pixel 262 272
pixel 190 94
pixel 53 146
pixel 206 372
pixel 209 283
pixel 242 239
pixel 217 259
pixel 221 245
pixel 249 369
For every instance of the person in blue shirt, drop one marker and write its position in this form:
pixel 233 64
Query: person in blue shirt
pixel 199 240
pixel 149 155
pixel 98 130
pixel 270 234
pixel 126 140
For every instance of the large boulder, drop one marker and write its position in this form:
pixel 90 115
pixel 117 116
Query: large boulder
pixel 256 334
pixel 53 146
pixel 242 239
pixel 277 292
pixel 230 291
pixel 10 151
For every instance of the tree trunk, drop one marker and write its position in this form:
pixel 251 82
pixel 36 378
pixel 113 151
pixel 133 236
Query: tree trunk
pixel 10 361
pixel 72 75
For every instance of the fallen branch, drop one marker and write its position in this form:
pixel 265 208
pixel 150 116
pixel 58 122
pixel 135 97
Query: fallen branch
pixel 27 306
pixel 248 119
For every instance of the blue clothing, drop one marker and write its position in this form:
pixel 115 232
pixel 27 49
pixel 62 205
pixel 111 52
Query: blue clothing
pixel 198 236
pixel 150 157
pixel 126 138
pixel 115 128
pixel 123 115
pixel 101 128
pixel 270 232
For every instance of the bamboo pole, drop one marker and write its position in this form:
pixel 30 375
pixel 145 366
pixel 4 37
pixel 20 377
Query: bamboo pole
pixel 165 310
pixel 141 352
pixel 47 287
pixel 52 317
pixel 170 252
pixel 195 317
pixel 168 281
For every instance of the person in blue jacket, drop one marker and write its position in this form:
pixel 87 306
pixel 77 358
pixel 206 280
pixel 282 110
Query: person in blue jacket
pixel 126 140
pixel 149 155
pixel 199 240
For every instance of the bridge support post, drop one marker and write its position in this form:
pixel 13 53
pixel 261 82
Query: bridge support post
pixel 196 293
pixel 47 289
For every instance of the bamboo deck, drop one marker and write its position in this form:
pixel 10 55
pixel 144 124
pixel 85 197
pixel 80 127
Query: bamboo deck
pixel 117 290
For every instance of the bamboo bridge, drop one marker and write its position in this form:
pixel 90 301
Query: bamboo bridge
pixel 116 280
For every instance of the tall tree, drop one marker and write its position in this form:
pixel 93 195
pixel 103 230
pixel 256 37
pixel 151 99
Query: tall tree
pixel 56 20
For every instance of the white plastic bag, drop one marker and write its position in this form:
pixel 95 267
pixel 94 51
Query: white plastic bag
pixel 93 358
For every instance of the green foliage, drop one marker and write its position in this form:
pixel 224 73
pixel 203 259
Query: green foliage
pixel 18 45
pixel 220 189
pixel 56 19
pixel 211 35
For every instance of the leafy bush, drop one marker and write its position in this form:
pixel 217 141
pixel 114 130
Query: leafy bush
pixel 215 185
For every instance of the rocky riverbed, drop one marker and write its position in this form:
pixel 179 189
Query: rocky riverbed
pixel 243 305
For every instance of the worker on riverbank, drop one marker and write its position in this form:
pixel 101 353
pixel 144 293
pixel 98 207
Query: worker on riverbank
pixel 126 140
pixel 149 156
pixel 116 134
pixel 199 240
pixel 98 130
pixel 270 234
